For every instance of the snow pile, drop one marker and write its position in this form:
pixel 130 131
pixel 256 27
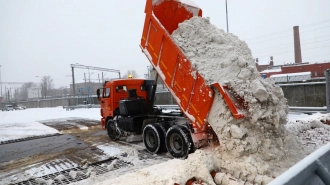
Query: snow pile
pixel 255 145
pixel 313 131
pixel 173 171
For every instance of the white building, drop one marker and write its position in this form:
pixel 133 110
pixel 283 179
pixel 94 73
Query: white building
pixel 34 93
pixel 292 77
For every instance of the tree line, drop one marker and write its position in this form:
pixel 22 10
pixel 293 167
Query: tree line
pixel 46 86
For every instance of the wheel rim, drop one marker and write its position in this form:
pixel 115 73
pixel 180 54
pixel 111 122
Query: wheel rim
pixel 151 139
pixel 176 143
pixel 112 130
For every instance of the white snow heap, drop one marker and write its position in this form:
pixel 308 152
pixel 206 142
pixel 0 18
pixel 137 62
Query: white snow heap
pixel 246 145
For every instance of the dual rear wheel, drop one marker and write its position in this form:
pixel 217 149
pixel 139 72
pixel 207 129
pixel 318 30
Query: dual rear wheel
pixel 159 137
pixel 176 139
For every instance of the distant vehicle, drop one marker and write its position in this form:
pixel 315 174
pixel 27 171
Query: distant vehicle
pixel 19 107
pixel 7 108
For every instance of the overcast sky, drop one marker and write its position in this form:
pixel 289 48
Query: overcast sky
pixel 43 37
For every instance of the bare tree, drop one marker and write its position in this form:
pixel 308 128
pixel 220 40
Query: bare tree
pixel 131 73
pixel 47 84
pixel 23 95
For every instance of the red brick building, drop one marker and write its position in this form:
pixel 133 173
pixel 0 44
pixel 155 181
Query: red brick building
pixel 316 69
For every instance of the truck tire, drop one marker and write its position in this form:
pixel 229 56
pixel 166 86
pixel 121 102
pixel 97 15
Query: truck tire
pixel 163 127
pixel 113 131
pixel 178 141
pixel 154 138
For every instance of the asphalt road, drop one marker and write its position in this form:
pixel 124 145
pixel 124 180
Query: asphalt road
pixel 48 145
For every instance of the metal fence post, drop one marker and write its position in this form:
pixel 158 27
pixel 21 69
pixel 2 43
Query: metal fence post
pixel 326 74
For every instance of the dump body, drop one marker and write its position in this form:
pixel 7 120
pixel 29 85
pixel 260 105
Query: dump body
pixel 187 86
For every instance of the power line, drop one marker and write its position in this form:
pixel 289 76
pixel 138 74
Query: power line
pixel 315 47
pixel 285 30
pixel 319 22
pixel 314 29
pixel 310 56
pixel 276 38
pixel 304 57
pixel 14 83
pixel 293 51
pixel 262 51
pixel 302 41
pixel 258 37
pixel 316 56
pixel 271 39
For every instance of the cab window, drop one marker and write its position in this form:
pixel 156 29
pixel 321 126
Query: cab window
pixel 106 93
pixel 143 88
pixel 121 88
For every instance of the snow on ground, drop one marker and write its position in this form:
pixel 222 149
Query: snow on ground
pixel 24 123
pixel 110 150
pixel 311 130
pixel 198 164
pixel 51 167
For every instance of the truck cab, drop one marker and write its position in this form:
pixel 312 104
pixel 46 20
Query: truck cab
pixel 122 91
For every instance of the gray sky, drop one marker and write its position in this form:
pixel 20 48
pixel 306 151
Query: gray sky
pixel 43 37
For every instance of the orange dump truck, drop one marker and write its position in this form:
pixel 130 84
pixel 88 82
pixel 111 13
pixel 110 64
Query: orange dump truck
pixel 127 104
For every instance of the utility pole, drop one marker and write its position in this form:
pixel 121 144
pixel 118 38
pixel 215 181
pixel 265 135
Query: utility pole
pixel 73 84
pixel 85 79
pixel 0 82
pixel 89 76
pixel 227 17
pixel 327 90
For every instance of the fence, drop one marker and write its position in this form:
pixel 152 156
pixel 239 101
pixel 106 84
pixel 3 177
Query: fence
pixel 312 94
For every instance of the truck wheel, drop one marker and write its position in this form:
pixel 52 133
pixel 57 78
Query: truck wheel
pixel 154 138
pixel 113 131
pixel 178 141
pixel 162 134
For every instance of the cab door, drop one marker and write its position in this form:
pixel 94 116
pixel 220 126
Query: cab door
pixel 106 102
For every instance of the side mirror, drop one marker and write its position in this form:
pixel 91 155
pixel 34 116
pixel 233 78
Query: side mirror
pixel 98 92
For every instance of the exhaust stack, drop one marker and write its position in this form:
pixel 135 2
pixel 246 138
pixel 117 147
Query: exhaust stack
pixel 297 49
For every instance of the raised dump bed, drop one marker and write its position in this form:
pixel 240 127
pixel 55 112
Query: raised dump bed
pixel 187 86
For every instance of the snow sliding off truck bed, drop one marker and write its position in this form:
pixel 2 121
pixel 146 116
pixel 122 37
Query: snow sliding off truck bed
pixel 187 86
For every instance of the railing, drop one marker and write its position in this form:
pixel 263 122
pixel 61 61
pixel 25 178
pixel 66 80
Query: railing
pixel 292 109
pixel 308 109
pixel 87 106
pixel 313 169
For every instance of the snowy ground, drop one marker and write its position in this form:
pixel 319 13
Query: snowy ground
pixel 309 129
pixel 24 123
